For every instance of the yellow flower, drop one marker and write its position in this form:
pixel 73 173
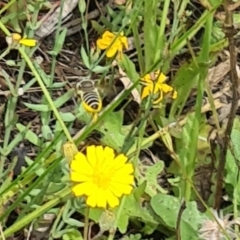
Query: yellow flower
pixel 113 43
pixel 101 176
pixel 16 39
pixel 154 83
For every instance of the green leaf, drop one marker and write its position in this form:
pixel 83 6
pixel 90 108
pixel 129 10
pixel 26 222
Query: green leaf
pixel 58 85
pixel 29 135
pixel 185 79
pixel 129 67
pixel 134 209
pixel 111 128
pixel 149 174
pixel 59 42
pixel 166 207
pixel 82 6
pixel 64 98
pixel 11 63
pixel 37 107
pixel 232 162
pixel 85 58
pixel 67 117
pixel 101 69
pixel 47 132
pixel 97 27
pixel 72 234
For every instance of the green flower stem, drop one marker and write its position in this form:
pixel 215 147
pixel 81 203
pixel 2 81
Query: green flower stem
pixel 6 52
pixel 86 224
pixel 35 214
pixel 4 29
pixel 7 6
pixel 46 93
pixel 120 209
pixel 163 25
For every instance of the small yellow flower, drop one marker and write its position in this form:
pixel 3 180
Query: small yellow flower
pixel 154 83
pixel 113 43
pixel 101 176
pixel 15 39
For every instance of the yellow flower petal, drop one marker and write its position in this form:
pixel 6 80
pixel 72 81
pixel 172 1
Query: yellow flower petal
pixel 92 201
pixel 109 152
pixel 102 44
pixel 125 179
pixel 91 155
pixel 122 188
pixel 86 188
pixel 146 92
pixel 101 199
pixel 174 94
pixel 80 164
pixel 112 200
pixel 112 51
pixel 166 88
pixel 125 170
pixel 117 192
pixel 124 42
pixel 160 77
pixel 108 35
pixel 76 177
pixel 120 160
pixel 28 42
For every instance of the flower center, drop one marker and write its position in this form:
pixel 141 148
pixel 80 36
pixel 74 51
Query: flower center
pixel 102 179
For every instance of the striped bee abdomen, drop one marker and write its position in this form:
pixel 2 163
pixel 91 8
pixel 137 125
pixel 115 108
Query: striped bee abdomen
pixel 92 99
pixel 89 96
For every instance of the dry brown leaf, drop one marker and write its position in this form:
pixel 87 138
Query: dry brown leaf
pixel 207 106
pixel 50 22
pixel 217 73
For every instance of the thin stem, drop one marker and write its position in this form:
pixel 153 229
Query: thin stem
pixel 86 224
pixel 46 93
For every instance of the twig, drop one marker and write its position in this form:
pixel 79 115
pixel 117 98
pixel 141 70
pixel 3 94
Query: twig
pixel 224 140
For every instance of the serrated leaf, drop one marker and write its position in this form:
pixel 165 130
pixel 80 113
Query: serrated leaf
pixel 111 128
pixel 134 209
pixel 149 174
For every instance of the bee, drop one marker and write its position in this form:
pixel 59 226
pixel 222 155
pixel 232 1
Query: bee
pixel 89 95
